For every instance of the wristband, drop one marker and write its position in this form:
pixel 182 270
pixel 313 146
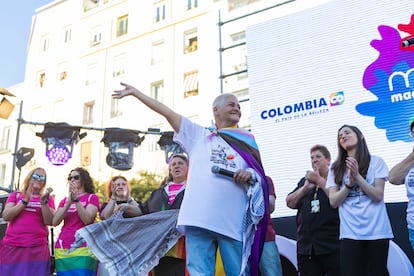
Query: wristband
pixel 75 199
pixel 349 187
pixel 126 207
pixel 130 200
pixel 24 202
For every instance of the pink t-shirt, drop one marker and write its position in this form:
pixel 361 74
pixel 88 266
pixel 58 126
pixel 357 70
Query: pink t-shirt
pixel 27 228
pixel 173 190
pixel 72 221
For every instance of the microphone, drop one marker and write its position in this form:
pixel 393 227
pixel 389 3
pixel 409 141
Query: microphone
pixel 224 172
pixel 407 42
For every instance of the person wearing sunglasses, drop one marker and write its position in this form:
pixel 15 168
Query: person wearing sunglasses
pixel 24 249
pixel 78 209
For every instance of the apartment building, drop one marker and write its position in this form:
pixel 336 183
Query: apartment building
pixel 181 52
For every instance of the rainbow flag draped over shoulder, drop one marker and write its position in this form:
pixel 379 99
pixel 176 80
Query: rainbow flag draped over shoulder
pixel 245 144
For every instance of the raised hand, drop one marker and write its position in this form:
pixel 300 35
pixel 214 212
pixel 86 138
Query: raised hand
pixel 128 90
pixel 45 197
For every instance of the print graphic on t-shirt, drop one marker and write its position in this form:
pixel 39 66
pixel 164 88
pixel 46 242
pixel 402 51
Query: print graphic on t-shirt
pixel 224 156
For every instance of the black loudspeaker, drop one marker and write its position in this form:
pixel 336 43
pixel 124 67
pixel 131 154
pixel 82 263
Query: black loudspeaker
pixel 3 224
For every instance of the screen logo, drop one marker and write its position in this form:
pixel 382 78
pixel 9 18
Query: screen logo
pixel 336 98
pixel 391 79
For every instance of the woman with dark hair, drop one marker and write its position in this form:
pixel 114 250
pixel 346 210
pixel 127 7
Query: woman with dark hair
pixel 24 249
pixel 77 210
pixel 356 183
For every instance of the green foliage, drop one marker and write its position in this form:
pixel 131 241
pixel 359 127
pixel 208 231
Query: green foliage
pixel 141 188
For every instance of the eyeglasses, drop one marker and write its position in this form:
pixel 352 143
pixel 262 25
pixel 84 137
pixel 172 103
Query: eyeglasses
pixel 76 177
pixel 38 177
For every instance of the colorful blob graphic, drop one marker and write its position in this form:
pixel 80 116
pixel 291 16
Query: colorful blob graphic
pixel 391 79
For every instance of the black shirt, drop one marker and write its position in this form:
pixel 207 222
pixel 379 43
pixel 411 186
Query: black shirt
pixel 317 232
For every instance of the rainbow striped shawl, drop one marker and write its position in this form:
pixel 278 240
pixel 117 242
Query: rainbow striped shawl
pixel 245 144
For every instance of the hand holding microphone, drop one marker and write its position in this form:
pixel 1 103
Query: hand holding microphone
pixel 228 173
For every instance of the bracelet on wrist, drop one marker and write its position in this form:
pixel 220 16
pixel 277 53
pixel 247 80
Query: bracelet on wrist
pixel 44 202
pixel 130 200
pixel 24 202
pixel 349 187
pixel 75 199
pixel 126 207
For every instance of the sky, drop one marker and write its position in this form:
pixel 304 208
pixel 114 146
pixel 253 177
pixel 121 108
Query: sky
pixel 15 25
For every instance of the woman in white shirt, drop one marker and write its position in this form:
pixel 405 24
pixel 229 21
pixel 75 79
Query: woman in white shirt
pixel 356 183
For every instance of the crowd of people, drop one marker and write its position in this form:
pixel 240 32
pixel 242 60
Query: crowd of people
pixel 342 224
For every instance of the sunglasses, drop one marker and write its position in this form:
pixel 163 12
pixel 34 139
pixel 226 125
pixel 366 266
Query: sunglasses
pixel 76 177
pixel 38 177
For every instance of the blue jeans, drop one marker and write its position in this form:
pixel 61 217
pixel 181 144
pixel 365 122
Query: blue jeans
pixel 269 264
pixel 411 237
pixel 201 247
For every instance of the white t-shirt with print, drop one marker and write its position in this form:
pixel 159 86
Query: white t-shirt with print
pixel 360 217
pixel 211 201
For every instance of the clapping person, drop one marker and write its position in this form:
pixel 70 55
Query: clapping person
pixel 77 210
pixel 118 192
pixel 24 249
pixel 356 183
pixel 317 222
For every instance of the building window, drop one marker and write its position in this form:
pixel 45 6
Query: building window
pixel 235 4
pixel 190 41
pixel 191 84
pixel 41 78
pixel 88 112
pixel 67 35
pixel 96 35
pixel 122 25
pixel 2 176
pixel 44 46
pixel 244 100
pixel 5 138
pixel 57 107
pixel 239 54
pixel 115 109
pixel 119 65
pixel 63 75
pixel 159 11
pixel 90 4
pixel 191 4
pixel 152 140
pixel 157 52
pixel 86 153
pixel 157 89
pixel 91 74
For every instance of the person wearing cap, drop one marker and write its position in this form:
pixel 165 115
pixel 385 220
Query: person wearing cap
pixel 403 173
